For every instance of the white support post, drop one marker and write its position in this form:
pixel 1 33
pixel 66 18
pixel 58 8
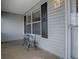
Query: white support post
pixel 67 30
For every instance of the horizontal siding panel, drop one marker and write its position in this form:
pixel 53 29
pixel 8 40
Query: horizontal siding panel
pixel 56 28
pixel 57 13
pixel 58 16
pixel 57 9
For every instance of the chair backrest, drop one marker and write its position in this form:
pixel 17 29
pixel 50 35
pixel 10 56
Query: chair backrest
pixel 26 37
pixel 32 38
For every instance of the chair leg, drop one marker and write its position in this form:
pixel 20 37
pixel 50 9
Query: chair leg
pixel 28 46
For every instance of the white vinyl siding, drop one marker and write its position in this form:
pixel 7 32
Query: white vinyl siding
pixel 56 29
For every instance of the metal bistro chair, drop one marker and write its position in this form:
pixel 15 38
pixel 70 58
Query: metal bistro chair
pixel 26 41
pixel 30 41
pixel 33 41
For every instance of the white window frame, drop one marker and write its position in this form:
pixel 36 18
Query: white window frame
pixel 30 13
pixel 28 23
pixel 38 9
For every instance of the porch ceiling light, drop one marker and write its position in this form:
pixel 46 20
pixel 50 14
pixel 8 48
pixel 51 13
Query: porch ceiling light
pixel 57 3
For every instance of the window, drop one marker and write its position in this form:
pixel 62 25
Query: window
pixel 28 28
pixel 24 24
pixel 28 23
pixel 36 28
pixel 44 20
pixel 36 16
pixel 36 21
pixel 77 6
pixel 29 18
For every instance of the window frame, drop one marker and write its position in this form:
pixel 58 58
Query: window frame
pixel 33 22
pixel 27 23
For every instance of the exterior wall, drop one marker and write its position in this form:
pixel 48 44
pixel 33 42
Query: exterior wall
pixel 56 29
pixel 12 27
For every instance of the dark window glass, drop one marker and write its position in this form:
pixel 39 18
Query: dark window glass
pixel 36 16
pixel 44 30
pixel 24 24
pixel 36 28
pixel 28 28
pixel 44 20
pixel 77 6
pixel 29 19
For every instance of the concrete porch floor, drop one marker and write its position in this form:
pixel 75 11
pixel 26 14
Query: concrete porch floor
pixel 17 51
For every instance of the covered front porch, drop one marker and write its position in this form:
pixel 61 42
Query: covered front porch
pixel 50 24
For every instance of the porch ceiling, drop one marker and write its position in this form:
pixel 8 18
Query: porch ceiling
pixel 17 6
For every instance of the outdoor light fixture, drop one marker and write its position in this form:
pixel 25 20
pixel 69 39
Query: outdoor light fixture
pixel 57 3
